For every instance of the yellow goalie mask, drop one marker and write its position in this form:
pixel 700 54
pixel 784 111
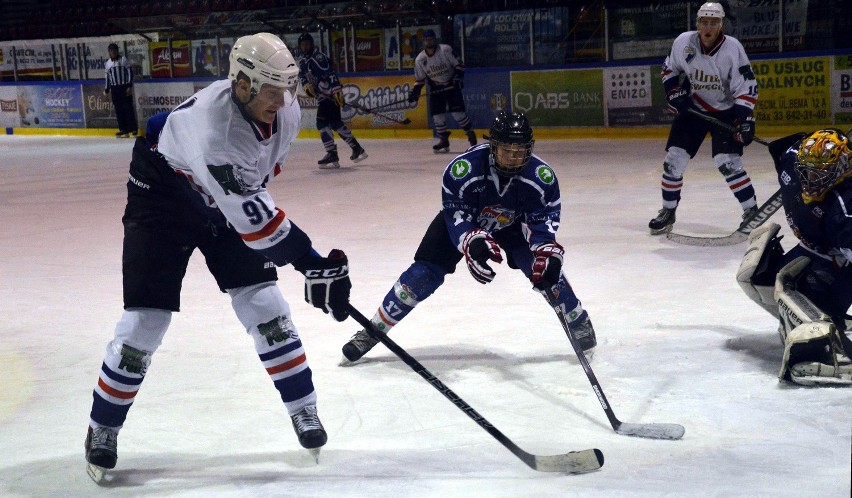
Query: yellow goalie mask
pixel 822 162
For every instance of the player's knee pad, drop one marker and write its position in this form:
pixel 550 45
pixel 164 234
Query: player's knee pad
pixel 258 303
pixel 138 334
pixel 675 162
pixel 761 256
pixel 728 164
pixel 418 282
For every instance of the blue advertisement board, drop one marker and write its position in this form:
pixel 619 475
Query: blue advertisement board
pixel 54 105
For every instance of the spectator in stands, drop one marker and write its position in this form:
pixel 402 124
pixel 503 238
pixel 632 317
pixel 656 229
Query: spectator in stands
pixel 119 85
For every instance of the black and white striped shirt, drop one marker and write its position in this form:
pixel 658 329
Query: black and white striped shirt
pixel 118 72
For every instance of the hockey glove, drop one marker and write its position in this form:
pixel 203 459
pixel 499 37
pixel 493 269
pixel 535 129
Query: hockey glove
pixel 744 123
pixel 458 80
pixel 479 248
pixel 547 266
pixel 327 282
pixel 310 91
pixel 678 99
pixel 414 93
pixel 338 99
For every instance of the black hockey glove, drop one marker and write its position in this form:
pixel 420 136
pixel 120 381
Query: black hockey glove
pixel 458 80
pixel 744 123
pixel 678 99
pixel 547 266
pixel 327 282
pixel 414 93
pixel 479 248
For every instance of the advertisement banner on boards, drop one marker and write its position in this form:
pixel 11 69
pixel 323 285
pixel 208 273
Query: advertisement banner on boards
pixel 633 96
pixel 841 91
pixel 160 59
pixel 154 98
pixel 51 106
pixel 483 97
pixel 369 55
pixel 391 92
pixel 559 97
pixel 98 108
pixel 793 91
pixel 9 116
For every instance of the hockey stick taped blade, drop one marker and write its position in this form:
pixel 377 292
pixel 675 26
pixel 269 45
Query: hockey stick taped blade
pixel 651 431
pixel 575 462
pixel 692 240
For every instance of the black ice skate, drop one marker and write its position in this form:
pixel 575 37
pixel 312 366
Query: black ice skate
pixel 330 161
pixel 357 347
pixel 471 137
pixel 101 451
pixel 663 222
pixel 443 144
pixel 358 154
pixel 309 429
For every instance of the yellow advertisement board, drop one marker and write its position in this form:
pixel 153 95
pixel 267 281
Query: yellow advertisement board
pixel 793 91
pixel 387 98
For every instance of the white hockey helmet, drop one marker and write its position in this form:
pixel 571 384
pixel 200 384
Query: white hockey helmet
pixel 264 58
pixel 711 9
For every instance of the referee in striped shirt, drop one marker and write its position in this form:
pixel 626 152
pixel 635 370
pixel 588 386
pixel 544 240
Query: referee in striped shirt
pixel 119 84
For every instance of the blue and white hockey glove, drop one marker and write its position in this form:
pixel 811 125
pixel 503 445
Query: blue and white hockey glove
pixel 678 99
pixel 479 248
pixel 547 265
pixel 327 283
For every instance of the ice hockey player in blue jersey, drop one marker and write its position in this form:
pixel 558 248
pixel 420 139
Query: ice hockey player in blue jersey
pixel 496 197
pixel 809 288
pixel 319 81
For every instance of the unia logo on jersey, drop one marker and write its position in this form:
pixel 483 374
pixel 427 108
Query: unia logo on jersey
pixel 460 168
pixel 545 174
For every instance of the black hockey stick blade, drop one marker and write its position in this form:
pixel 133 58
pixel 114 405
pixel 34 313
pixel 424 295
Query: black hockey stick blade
pixel 575 462
pixel 722 124
pixel 764 212
pixel 650 431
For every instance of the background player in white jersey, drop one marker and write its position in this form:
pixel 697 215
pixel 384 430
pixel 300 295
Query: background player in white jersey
pixel 319 81
pixel 438 66
pixel 203 185
pixel 707 72
pixel 497 196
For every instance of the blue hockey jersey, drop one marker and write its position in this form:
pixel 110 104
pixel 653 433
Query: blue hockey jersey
pixel 316 70
pixel 473 195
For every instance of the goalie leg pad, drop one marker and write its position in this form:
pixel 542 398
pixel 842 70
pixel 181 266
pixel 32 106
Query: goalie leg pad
pixel 762 254
pixel 812 357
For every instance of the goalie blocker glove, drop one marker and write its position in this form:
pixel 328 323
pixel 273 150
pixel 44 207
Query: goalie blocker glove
pixel 327 283
pixel 478 248
pixel 547 266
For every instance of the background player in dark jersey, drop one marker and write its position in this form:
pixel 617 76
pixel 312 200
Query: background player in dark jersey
pixel 201 183
pixel 439 66
pixel 497 196
pixel 319 81
pixel 810 286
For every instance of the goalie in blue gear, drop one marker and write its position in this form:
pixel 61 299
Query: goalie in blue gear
pixel 808 288
pixel 498 197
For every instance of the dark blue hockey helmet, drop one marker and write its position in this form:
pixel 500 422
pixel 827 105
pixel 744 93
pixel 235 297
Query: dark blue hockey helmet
pixel 511 139
pixel 430 39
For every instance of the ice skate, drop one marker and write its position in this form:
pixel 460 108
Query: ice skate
pixel 584 333
pixel 357 347
pixel 358 154
pixel 101 451
pixel 663 222
pixel 748 213
pixel 330 161
pixel 309 429
pixel 443 144
pixel 471 137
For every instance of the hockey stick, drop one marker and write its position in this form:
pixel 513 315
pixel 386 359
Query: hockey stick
pixel 379 114
pixel 722 124
pixel 574 462
pixel 764 212
pixel 652 431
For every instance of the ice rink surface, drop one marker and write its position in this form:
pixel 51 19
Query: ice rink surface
pixel 679 342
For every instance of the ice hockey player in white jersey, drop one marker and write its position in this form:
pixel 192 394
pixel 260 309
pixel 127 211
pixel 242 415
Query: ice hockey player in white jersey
pixel 437 66
pixel 707 72
pixel 201 183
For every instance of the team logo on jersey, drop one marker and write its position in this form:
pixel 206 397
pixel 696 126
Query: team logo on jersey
pixel 545 174
pixel 786 178
pixel 688 53
pixel 460 168
pixel 228 178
